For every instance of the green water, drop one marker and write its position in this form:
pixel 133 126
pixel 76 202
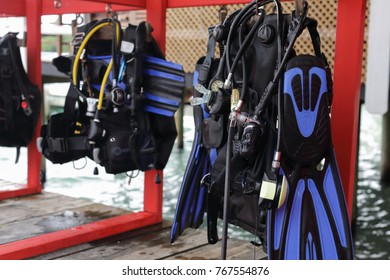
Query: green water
pixel 371 228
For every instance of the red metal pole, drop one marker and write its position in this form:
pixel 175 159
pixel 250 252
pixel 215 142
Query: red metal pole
pixel 12 8
pixel 84 6
pixel 153 192
pixel 33 18
pixel 347 81
pixel 156 15
pixel 200 3
pixel 132 3
pixel 153 189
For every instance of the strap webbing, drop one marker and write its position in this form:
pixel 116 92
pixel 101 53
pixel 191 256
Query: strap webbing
pixel 204 71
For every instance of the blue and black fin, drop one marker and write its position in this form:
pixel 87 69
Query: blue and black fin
pixel 313 222
pixel 191 203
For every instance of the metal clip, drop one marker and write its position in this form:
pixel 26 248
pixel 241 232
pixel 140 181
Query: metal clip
pixel 207 94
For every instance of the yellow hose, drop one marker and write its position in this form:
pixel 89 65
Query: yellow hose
pixel 108 70
pixel 105 78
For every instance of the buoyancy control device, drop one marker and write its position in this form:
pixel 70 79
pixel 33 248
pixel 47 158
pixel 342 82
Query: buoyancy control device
pixel 20 100
pixel 239 95
pixel 121 101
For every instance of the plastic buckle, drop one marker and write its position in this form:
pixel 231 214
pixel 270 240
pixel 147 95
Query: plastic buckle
pixel 78 39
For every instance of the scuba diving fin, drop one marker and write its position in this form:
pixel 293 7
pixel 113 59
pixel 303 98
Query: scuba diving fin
pixel 313 221
pixel 192 199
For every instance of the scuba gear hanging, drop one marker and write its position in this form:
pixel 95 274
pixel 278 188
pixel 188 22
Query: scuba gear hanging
pixel 276 153
pixel 241 38
pixel 313 222
pixel 65 137
pixel 111 95
pixel 20 100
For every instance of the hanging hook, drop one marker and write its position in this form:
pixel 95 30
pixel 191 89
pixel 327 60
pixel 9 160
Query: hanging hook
pixel 110 12
pixel 108 9
pixel 299 5
pixel 79 19
pixel 57 4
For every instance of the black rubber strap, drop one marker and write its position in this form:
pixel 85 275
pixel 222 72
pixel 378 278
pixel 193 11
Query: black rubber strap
pixel 71 99
pixel 311 25
pixel 17 65
pixel 204 71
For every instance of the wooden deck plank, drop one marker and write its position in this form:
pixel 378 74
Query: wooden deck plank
pixel 23 199
pixel 237 250
pixel 32 206
pixel 71 217
pixel 152 245
pixel 33 215
pixel 159 246
pixel 102 242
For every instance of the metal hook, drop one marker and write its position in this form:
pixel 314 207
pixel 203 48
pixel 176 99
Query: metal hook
pixel 299 5
pixel 110 12
pixel 79 19
pixel 108 9
pixel 57 4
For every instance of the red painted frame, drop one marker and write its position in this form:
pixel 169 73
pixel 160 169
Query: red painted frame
pixel 152 212
pixel 351 15
pixel 347 73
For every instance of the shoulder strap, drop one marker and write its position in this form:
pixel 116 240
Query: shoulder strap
pixel 19 74
pixel 311 25
pixel 204 71
pixel 6 74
